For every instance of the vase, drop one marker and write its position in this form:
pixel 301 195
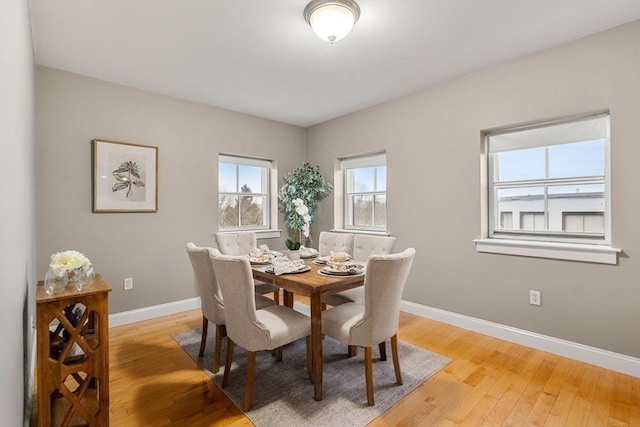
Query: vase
pixel 55 281
pixel 82 278
pixel 293 254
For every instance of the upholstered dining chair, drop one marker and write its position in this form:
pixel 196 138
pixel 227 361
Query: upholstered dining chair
pixel 211 301
pixel 376 321
pixel 329 241
pixel 364 245
pixel 241 243
pixel 254 330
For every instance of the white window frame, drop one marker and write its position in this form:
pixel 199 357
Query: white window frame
pixel 549 244
pixel 341 203
pixel 270 179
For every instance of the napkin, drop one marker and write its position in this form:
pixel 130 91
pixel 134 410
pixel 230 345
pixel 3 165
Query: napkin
pixel 308 252
pixel 260 254
pixel 283 265
pixel 339 257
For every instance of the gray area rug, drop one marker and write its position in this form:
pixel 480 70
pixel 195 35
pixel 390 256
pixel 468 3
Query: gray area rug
pixel 283 394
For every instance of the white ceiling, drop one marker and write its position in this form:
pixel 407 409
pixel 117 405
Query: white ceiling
pixel 260 57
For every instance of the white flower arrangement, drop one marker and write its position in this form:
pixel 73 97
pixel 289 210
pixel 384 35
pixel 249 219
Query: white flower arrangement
pixel 303 211
pixel 69 261
pixel 300 222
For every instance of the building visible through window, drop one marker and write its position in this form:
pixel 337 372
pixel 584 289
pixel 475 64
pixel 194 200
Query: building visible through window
pixel 549 181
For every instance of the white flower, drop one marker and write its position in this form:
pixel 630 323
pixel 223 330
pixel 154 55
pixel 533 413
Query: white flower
pixel 69 261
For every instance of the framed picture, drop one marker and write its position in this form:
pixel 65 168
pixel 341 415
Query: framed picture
pixel 125 177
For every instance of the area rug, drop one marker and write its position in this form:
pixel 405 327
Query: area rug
pixel 283 394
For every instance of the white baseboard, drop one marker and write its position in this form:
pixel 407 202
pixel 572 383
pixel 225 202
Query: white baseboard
pixel 605 359
pixel 146 313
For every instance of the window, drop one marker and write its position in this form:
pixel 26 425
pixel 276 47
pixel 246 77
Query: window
pixel 548 191
pixel 243 193
pixel 543 173
pixel 365 192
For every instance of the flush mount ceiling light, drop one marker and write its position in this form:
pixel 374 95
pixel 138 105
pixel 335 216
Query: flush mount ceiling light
pixel 332 20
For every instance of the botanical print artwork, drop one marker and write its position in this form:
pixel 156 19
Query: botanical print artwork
pixel 128 172
pixel 124 180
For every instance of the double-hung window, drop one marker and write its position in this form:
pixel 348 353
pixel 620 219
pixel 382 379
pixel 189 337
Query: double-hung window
pixel 244 195
pixel 365 192
pixel 549 182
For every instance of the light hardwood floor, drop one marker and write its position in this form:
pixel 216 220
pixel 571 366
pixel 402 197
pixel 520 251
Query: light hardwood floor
pixel 489 383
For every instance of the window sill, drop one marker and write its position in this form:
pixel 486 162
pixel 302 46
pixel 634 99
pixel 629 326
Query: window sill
pixel 566 251
pixel 260 234
pixel 373 233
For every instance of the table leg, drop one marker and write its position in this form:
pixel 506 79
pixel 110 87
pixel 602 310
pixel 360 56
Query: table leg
pixel 288 299
pixel 316 345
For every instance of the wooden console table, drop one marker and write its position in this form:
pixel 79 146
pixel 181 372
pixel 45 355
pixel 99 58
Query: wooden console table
pixel 73 356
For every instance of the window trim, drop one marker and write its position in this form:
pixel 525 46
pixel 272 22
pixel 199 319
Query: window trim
pixel 596 251
pixel 271 210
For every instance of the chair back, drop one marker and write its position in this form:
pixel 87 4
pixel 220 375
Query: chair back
pixel 335 242
pixel 210 295
pixel 236 283
pixel 365 245
pixel 236 243
pixel 384 280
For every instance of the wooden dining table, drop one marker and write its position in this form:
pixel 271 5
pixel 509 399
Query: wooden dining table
pixel 313 285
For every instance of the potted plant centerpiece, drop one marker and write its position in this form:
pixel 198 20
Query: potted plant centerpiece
pixel 303 188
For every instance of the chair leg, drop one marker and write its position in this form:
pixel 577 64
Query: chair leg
pixel 251 370
pixel 352 350
pixel 203 339
pixel 309 368
pixel 383 350
pixel 220 333
pixel 396 360
pixel 227 365
pixel 368 371
pixel 276 297
pixel 278 354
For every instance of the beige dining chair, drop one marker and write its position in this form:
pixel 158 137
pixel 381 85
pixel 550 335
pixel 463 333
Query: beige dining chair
pixel 329 241
pixel 211 302
pixel 254 330
pixel 376 321
pixel 241 243
pixel 364 245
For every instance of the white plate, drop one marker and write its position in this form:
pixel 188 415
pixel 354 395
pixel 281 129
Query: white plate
pixel 332 272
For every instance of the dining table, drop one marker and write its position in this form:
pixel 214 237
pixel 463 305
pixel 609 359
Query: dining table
pixel 314 285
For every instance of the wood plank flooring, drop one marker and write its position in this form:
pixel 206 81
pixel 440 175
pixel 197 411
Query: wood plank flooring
pixel 490 382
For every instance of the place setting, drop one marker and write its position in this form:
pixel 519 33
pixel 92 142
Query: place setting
pixel 283 265
pixel 339 264
pixel 262 255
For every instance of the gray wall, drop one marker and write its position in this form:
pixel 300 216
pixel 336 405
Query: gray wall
pixel 432 138
pixel 71 111
pixel 433 148
pixel 17 210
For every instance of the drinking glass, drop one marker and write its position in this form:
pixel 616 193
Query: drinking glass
pixel 55 281
pixel 86 279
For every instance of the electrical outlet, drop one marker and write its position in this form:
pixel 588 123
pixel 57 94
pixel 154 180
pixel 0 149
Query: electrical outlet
pixel 534 297
pixel 128 283
pixel 33 323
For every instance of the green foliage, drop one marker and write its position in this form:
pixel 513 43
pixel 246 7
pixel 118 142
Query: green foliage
pixel 291 245
pixel 306 183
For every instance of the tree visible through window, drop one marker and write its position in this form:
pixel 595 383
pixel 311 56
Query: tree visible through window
pixel 365 203
pixel 243 193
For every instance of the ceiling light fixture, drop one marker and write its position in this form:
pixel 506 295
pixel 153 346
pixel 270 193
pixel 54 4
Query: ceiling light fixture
pixel 332 20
